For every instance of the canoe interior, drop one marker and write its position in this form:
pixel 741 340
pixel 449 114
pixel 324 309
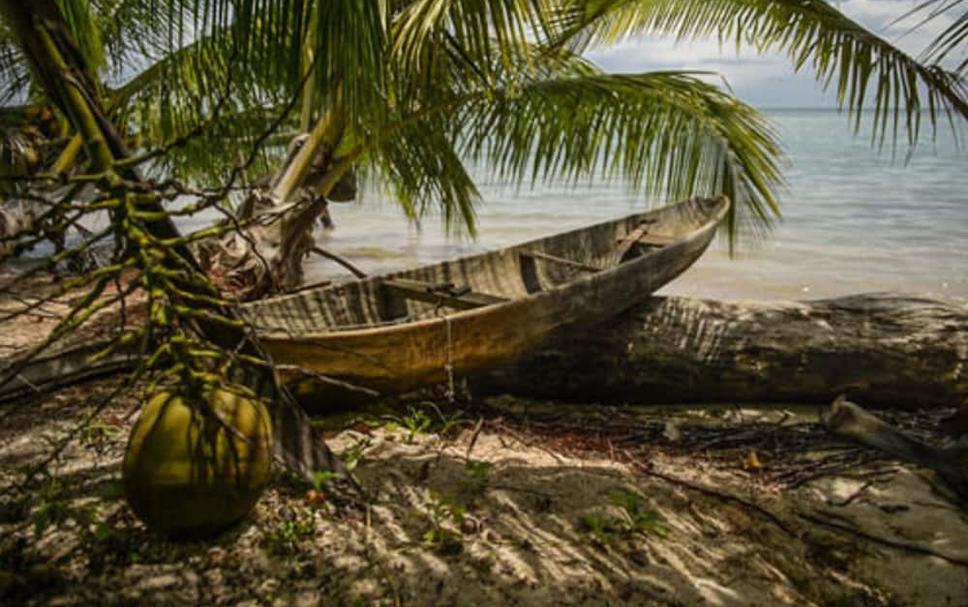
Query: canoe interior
pixel 480 280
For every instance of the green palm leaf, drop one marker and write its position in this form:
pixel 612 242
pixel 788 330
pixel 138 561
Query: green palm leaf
pixel 951 38
pixel 503 30
pixel 667 133
pixel 859 65
pixel 423 171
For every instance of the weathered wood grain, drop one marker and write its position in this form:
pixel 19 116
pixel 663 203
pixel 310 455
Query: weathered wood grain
pixel 881 349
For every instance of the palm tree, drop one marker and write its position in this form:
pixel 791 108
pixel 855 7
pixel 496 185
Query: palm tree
pixel 405 92
pixel 395 91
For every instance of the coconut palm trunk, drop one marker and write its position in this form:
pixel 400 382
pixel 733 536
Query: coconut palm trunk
pixel 47 42
pixel 267 257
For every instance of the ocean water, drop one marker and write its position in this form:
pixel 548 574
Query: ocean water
pixel 854 220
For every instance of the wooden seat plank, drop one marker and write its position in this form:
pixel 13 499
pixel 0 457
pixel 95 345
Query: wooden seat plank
pixel 641 236
pixel 430 293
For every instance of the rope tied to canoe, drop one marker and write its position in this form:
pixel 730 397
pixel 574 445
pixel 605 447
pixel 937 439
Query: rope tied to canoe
pixel 449 361
pixel 449 365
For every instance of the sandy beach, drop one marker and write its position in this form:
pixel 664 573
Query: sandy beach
pixel 501 502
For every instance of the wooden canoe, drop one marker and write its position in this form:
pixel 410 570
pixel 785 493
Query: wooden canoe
pixel 405 330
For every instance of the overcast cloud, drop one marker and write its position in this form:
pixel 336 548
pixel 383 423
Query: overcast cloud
pixel 767 80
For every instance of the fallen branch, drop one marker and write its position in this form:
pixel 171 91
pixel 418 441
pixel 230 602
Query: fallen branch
pixel 346 263
pixel 849 420
pixel 884 541
pixel 720 495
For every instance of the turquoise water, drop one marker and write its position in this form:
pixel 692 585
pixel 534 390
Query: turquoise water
pixel 854 220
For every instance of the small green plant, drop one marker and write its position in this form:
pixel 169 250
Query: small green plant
pixel 284 539
pixel 635 519
pixel 353 455
pixel 316 497
pixel 639 519
pixel 416 422
pixel 426 416
pixel 321 477
pixel 478 477
pixel 442 511
pixel 602 528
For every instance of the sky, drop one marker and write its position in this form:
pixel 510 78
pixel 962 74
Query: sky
pixel 767 81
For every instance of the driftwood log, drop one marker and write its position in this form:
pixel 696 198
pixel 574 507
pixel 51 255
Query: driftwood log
pixel 880 349
pixel 848 420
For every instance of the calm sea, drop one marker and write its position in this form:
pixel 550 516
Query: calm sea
pixel 854 220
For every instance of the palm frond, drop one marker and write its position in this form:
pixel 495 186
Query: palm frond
pixel 211 153
pixel 14 72
pixel 270 40
pixel 15 75
pixel 357 69
pixel 503 30
pixel 861 66
pixel 416 153
pixel 423 172
pixel 667 133
pixel 139 32
pixel 951 39
pixel 81 19
pixel 202 90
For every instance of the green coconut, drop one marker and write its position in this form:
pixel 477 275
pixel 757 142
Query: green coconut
pixel 188 475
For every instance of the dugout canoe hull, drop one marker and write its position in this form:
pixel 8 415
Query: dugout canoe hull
pixel 385 335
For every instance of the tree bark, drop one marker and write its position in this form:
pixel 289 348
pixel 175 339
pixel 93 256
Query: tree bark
pixel 16 218
pixel 48 44
pixel 268 257
pixel 850 421
pixel 881 349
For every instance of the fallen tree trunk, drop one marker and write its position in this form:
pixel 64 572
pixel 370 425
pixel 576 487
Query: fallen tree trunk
pixel 881 349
